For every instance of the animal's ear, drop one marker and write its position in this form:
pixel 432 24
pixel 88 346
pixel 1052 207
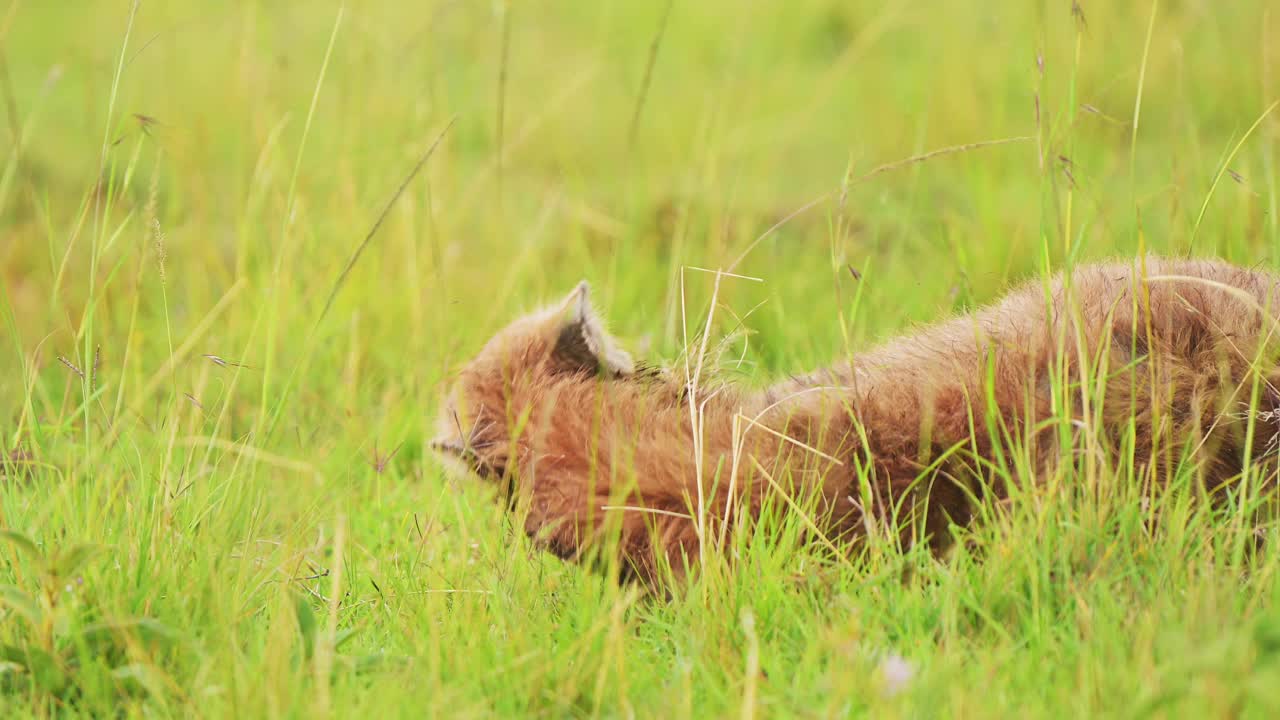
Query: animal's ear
pixel 581 340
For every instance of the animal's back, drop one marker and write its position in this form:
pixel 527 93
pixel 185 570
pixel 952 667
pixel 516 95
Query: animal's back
pixel 1180 298
pixel 1167 347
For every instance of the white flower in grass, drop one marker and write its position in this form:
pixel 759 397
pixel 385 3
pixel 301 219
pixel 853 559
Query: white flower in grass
pixel 896 672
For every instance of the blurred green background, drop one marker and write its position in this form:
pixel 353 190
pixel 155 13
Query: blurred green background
pixel 750 112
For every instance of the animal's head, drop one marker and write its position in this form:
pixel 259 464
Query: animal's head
pixel 483 406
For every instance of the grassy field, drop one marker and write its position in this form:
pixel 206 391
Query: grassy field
pixel 214 374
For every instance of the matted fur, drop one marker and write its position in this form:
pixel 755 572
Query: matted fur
pixel 1170 351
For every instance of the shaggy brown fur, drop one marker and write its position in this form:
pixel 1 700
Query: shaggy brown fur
pixel 561 418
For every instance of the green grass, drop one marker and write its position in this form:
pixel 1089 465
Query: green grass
pixel 226 490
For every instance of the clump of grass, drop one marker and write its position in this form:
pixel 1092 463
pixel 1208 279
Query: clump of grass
pixel 60 650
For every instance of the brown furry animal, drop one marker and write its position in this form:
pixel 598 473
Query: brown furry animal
pixel 1167 358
